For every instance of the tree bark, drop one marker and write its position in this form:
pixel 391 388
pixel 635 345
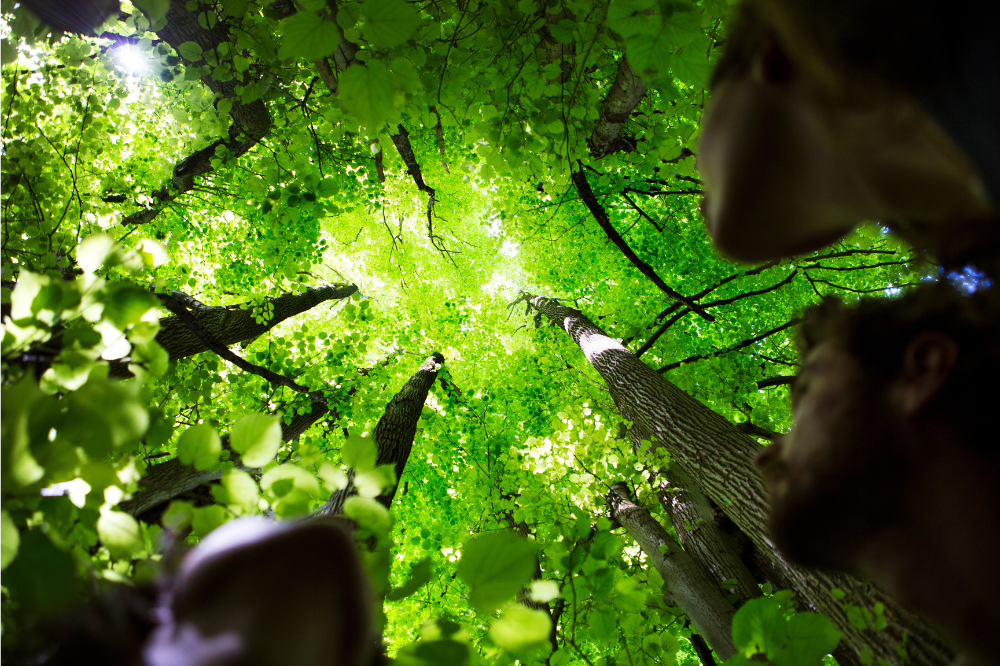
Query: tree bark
pixel 697 528
pixel 625 94
pixel 230 326
pixel 165 481
pixel 250 121
pixel 720 459
pixel 699 597
pixel 394 432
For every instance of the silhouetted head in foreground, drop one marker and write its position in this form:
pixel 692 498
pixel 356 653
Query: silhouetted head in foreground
pixel 826 114
pixel 253 593
pixel 892 469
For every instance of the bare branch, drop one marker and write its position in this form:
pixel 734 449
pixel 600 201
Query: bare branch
pixel 597 210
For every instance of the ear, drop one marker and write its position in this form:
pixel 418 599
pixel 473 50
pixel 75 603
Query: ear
pixel 927 363
pixel 770 64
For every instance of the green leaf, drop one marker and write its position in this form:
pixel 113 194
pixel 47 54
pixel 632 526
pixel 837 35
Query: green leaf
pixel 127 303
pixel 155 11
pixel 420 575
pixel 42 577
pixel 10 540
pixel 374 482
pixel 240 490
pixel 544 591
pixel 120 534
pixel 368 93
pixel 649 55
pixel 235 8
pixel 94 250
pixel 20 468
pixel 200 446
pixel 359 452
pixel 204 519
pixel 368 514
pixel 190 51
pixel 306 35
pixel 520 628
pixel 257 438
pixel 562 32
pixel 496 565
pixel 388 23
pixel 628 18
pixel 810 637
pixel 758 626
pixel 348 14
pixel 178 516
pixel 8 52
pixel 691 65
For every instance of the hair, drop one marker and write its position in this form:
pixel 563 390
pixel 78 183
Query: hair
pixel 915 45
pixel 877 332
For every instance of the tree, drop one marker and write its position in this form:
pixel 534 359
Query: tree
pixel 443 158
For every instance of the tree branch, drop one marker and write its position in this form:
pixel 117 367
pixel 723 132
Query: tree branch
pixel 174 304
pixel 745 343
pixel 583 188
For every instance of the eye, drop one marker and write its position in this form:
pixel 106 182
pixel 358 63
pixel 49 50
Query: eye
pixel 799 388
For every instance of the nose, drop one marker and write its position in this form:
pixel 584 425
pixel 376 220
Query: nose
pixel 769 454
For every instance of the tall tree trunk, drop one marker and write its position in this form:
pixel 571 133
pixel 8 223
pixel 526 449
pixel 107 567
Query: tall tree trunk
pixel 720 459
pixel 698 530
pixel 167 480
pixel 697 527
pixel 625 94
pixel 699 597
pixel 229 326
pixel 394 432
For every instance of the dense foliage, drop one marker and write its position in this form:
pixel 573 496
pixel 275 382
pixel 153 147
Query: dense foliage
pixel 499 101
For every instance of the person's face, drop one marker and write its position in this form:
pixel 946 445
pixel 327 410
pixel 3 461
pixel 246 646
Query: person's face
pixel 834 479
pixel 775 180
pixel 790 167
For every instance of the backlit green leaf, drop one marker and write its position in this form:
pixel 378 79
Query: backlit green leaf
pixel 306 35
pixel 119 533
pixel 256 437
pixel 496 565
pixel 200 446
pixel 368 93
pixel 388 22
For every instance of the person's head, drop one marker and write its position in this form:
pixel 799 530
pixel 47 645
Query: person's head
pixel 883 386
pixel 817 123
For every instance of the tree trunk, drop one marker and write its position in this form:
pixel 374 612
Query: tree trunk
pixel 250 121
pixel 394 432
pixel 625 94
pixel 697 528
pixel 230 326
pixel 167 480
pixel 720 459
pixel 699 597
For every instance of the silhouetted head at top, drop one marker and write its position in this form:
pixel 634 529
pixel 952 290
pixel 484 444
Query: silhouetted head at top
pixel 891 470
pixel 826 114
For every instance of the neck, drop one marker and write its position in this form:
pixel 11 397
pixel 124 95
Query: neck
pixel 940 557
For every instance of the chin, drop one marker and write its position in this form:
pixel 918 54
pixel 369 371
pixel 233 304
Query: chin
pixel 813 535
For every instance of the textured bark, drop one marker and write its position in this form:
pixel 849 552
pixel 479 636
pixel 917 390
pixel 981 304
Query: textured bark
pixel 697 528
pixel 719 458
pixel 691 588
pixel 250 121
pixel 394 432
pixel 167 480
pixel 230 326
pixel 625 94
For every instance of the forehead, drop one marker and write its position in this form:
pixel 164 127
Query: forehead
pixel 830 357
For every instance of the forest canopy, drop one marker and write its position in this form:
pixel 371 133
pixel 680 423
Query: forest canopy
pixel 372 259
